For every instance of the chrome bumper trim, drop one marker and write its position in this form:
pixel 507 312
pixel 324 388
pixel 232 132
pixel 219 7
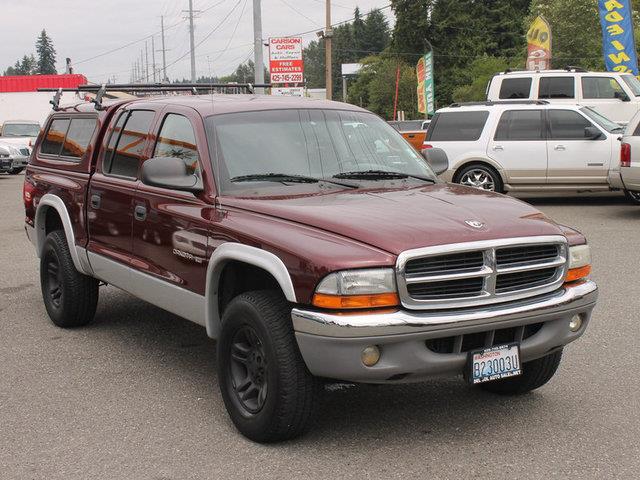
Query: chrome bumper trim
pixel 576 297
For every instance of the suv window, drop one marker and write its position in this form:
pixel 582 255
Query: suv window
pixel 556 87
pixel 176 139
pixel 567 125
pixel 457 126
pixel 601 87
pixel 515 88
pixel 127 142
pixel 68 138
pixel 520 125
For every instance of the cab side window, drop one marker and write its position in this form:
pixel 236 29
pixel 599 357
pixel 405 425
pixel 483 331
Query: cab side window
pixel 68 138
pixel 601 87
pixel 556 87
pixel 126 146
pixel 177 140
pixel 520 125
pixel 567 125
pixel 53 140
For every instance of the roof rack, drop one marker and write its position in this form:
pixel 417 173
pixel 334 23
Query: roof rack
pixel 571 68
pixel 136 88
pixel 489 103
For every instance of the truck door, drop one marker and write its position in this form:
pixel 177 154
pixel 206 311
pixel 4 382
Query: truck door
pixel 111 195
pixel 607 96
pixel 170 226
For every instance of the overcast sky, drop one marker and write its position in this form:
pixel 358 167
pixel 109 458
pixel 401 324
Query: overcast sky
pixel 83 29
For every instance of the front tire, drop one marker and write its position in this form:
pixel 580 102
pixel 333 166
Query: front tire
pixel 15 171
pixel 480 176
pixel 70 297
pixel 266 387
pixel 534 375
pixel 633 197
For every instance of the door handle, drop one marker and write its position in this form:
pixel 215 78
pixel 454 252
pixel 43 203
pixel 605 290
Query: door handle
pixel 498 148
pixel 95 201
pixel 559 148
pixel 140 212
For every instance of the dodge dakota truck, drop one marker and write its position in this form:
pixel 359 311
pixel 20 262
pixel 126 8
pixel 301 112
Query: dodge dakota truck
pixel 309 239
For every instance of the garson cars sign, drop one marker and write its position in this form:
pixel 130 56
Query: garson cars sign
pixel 285 60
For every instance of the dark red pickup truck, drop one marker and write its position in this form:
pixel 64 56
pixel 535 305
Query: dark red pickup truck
pixel 309 239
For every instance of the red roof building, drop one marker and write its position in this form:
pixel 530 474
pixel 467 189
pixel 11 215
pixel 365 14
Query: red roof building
pixel 31 83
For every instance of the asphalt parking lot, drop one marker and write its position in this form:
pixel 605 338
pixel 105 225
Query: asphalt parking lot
pixel 135 394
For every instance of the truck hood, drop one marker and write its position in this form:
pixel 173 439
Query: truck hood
pixel 395 220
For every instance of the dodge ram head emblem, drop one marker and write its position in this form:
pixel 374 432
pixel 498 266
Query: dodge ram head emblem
pixel 474 223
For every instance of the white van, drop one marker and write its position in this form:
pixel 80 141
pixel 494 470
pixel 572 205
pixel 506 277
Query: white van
pixel 614 95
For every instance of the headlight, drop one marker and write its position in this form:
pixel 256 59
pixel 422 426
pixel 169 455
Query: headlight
pixel 579 263
pixel 367 288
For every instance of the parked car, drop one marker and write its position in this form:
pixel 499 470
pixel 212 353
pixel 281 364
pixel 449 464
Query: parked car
pixel 626 174
pixel 325 248
pixel 526 146
pixel 614 95
pixel 6 159
pixel 20 136
pixel 413 131
pixel 13 158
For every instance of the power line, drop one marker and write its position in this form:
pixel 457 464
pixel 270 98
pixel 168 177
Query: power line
pixel 235 28
pixel 300 13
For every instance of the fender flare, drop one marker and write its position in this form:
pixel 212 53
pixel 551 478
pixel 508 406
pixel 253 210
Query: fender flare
pixel 53 201
pixel 231 251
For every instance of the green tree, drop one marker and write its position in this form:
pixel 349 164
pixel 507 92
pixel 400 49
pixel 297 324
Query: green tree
pixel 374 88
pixel 46 54
pixel 477 77
pixel 412 26
pixel 376 33
pixel 575 31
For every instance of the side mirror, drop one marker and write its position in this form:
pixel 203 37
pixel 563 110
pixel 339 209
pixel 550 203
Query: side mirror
pixel 622 96
pixel 592 133
pixel 169 172
pixel 437 159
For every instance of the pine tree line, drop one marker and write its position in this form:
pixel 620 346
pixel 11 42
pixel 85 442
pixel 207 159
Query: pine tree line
pixel 42 64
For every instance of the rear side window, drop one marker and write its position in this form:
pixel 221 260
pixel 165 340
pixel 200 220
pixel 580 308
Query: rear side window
pixel 54 138
pixel 567 125
pixel 126 145
pixel 556 87
pixel 515 88
pixel 457 126
pixel 520 125
pixel 601 87
pixel 68 138
pixel 178 140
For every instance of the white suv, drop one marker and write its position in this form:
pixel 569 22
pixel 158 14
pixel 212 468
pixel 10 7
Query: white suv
pixel 614 95
pixel 525 146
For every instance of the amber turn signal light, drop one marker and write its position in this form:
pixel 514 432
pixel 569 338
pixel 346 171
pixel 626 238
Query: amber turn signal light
pixel 577 273
pixel 337 302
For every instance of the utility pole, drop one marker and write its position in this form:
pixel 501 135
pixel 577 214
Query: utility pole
pixel 141 64
pixel 146 56
pixel 153 58
pixel 328 33
pixel 258 63
pixel 191 40
pixel 164 58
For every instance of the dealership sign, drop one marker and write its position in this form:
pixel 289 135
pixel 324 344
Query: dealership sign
pixel 288 91
pixel 285 60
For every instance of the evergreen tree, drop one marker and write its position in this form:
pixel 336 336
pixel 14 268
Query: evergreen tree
pixel 46 55
pixel 412 25
pixel 376 33
pixel 359 31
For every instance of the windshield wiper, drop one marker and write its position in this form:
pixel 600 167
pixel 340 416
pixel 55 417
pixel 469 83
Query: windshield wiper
pixel 286 177
pixel 380 175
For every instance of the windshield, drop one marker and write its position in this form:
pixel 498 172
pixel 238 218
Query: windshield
pixel 601 120
pixel 20 130
pixel 633 83
pixel 311 143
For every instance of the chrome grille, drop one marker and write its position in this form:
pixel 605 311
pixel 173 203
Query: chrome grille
pixel 477 273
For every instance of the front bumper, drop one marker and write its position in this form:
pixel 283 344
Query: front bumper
pixel 6 164
pixel 331 344
pixel 20 161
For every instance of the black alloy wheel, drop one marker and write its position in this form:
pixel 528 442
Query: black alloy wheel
pixel 248 370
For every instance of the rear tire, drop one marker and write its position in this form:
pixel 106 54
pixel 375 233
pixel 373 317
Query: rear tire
pixel 266 387
pixel 69 296
pixel 480 175
pixel 534 375
pixel 633 197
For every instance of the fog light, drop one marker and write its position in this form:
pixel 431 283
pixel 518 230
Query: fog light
pixel 370 355
pixel 575 323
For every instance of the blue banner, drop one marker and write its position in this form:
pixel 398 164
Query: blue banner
pixel 618 45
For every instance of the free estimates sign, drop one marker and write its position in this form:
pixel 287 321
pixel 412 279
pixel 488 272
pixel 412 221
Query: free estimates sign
pixel 285 60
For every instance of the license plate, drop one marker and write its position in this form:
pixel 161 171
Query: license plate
pixel 494 363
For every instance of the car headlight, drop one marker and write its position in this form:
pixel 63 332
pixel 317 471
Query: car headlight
pixel 366 288
pixel 579 263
